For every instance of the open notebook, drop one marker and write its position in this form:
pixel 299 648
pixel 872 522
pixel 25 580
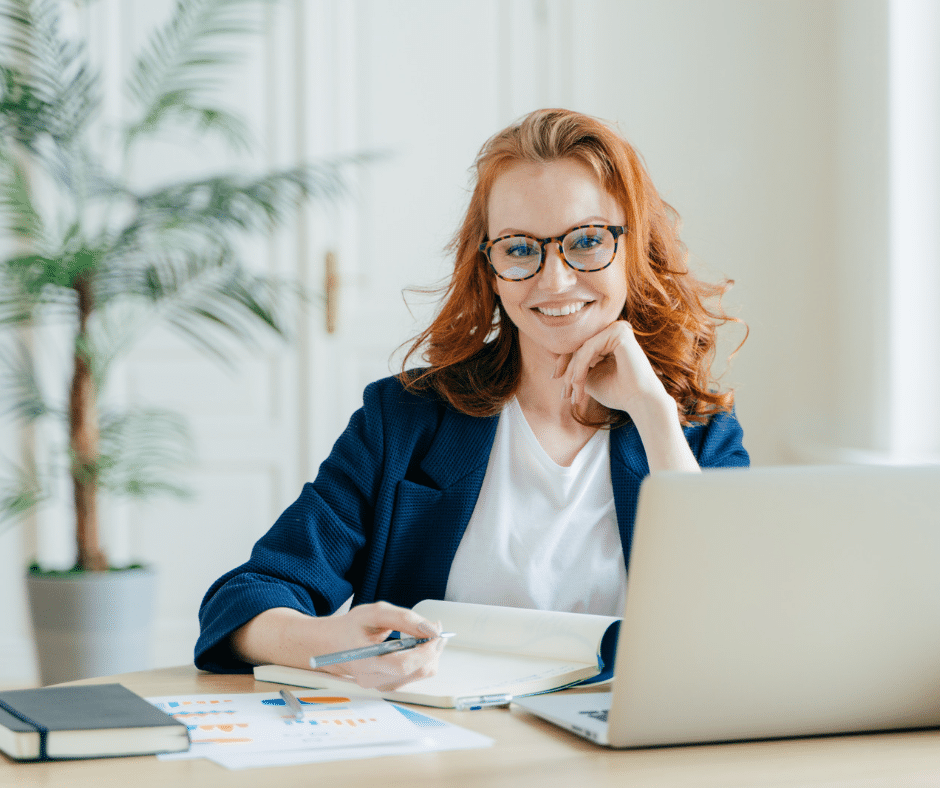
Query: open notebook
pixel 497 650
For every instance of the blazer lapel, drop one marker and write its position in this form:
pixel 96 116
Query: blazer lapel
pixel 462 444
pixel 431 516
pixel 628 468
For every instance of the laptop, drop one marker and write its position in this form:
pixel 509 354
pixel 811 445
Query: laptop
pixel 773 603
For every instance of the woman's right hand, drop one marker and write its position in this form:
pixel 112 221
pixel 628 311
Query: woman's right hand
pixel 288 637
pixel 365 625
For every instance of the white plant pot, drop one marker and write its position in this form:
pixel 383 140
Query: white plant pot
pixel 91 623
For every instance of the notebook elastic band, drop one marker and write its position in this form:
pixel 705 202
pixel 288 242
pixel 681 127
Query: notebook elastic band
pixel 42 730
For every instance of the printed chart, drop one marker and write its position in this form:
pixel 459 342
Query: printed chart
pixel 263 721
pixel 259 729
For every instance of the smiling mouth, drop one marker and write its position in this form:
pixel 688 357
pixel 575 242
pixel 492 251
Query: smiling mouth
pixel 567 309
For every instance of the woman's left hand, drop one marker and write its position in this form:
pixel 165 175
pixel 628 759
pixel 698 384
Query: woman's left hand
pixel 612 368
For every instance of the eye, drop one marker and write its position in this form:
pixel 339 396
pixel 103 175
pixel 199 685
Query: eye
pixel 516 257
pixel 521 247
pixel 585 241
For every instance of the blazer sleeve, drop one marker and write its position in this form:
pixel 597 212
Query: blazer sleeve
pixel 308 559
pixel 719 443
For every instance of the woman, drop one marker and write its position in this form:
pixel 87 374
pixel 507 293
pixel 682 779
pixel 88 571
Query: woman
pixel 570 358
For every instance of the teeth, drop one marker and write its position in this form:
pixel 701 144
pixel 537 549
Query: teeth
pixel 568 309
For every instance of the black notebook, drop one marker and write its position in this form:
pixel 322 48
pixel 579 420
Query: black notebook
pixel 87 721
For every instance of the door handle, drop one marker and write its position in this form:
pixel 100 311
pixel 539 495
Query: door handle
pixel 331 286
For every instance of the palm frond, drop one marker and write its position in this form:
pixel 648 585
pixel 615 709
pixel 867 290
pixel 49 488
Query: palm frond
pixel 23 17
pixel 29 283
pixel 182 60
pixel 199 290
pixel 23 113
pixel 34 280
pixel 196 293
pixel 20 392
pixel 52 89
pixel 143 452
pixel 23 220
pixel 178 105
pixel 112 331
pixel 208 206
pixel 20 492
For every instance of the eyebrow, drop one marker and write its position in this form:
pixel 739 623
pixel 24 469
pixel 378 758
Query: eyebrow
pixel 581 223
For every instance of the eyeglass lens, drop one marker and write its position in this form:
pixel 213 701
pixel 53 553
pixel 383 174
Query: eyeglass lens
pixel 585 249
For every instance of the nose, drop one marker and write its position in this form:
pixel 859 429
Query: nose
pixel 556 275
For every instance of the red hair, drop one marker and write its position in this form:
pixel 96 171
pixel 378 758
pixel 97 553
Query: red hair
pixel 472 347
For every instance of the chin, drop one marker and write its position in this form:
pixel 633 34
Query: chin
pixel 560 346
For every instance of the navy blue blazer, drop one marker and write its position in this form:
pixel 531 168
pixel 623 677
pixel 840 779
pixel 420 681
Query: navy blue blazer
pixel 388 508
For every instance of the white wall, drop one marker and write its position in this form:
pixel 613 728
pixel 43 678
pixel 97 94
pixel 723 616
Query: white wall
pixel 765 123
pixel 732 104
pixel 799 141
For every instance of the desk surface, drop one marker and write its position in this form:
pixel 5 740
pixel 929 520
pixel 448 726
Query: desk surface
pixel 528 752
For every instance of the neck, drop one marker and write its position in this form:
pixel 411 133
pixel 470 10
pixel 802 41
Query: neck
pixel 541 395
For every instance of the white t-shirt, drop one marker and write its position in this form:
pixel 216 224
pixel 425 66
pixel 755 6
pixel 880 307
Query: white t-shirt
pixel 542 535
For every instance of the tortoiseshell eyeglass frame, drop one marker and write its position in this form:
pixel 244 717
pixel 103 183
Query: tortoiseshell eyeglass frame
pixel 615 229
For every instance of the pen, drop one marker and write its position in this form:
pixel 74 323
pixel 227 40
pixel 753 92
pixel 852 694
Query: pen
pixel 291 700
pixel 474 702
pixel 388 647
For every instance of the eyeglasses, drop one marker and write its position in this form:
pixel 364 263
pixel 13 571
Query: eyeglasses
pixel 590 247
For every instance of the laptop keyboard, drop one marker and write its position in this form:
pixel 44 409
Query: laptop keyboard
pixel 600 715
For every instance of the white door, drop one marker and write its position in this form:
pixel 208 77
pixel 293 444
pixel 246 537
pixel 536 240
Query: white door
pixel 426 83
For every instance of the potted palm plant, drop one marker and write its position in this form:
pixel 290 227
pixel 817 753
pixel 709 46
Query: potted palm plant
pixel 89 255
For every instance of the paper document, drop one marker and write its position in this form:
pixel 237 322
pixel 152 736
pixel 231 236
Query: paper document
pixel 258 729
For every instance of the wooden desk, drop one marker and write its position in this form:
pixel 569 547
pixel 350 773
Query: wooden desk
pixel 528 752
